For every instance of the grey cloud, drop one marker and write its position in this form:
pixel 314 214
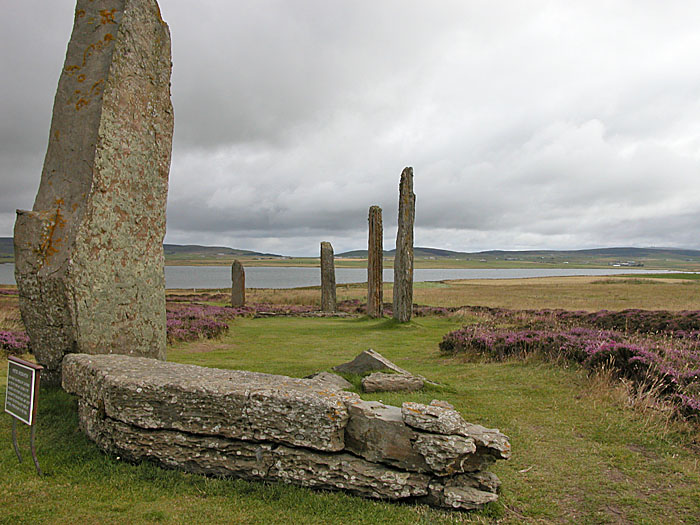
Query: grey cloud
pixel 529 125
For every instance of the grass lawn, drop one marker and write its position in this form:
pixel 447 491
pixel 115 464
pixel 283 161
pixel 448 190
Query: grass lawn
pixel 579 455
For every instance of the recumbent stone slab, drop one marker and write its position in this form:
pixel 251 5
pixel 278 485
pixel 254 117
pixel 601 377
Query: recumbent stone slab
pixel 230 403
pixel 276 428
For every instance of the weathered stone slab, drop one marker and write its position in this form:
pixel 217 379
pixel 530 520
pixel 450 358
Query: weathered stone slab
pixel 275 428
pixel 328 302
pixel 237 284
pixel 254 461
pixel 383 382
pixel 369 361
pixel 89 256
pixel 440 420
pixel 230 403
pixel 375 263
pixel 403 260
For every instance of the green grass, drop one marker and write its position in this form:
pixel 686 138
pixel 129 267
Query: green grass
pixel 682 276
pixel 579 455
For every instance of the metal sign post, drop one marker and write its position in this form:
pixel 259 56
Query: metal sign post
pixel 21 399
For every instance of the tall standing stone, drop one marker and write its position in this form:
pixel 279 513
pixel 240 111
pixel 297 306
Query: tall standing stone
pixel 403 260
pixel 375 263
pixel 237 284
pixel 327 278
pixel 89 256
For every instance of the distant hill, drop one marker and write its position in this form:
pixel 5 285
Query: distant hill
pixel 625 256
pixel 417 252
pixel 7 249
pixel 627 253
pixel 194 250
pixel 172 251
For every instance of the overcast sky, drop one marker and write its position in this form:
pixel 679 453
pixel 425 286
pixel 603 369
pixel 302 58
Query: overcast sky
pixel 529 124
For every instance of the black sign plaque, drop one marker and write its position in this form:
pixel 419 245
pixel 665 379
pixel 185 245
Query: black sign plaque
pixel 21 399
pixel 22 389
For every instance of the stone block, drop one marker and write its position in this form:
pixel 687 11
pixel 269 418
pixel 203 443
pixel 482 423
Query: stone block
pixel 383 382
pixel 194 399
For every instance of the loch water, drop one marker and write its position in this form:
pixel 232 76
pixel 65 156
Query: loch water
pixel 189 277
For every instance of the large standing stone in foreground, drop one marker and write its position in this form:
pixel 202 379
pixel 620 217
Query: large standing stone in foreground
pixel 237 284
pixel 375 263
pixel 328 303
pixel 403 260
pixel 89 256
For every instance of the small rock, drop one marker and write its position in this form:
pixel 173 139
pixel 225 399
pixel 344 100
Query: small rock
pixel 383 382
pixel 369 361
pixel 331 381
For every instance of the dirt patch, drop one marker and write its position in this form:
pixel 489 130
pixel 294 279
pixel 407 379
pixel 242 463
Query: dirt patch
pixel 617 514
pixel 641 449
pixel 615 474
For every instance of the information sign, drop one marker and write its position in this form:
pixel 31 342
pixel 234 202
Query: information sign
pixel 22 388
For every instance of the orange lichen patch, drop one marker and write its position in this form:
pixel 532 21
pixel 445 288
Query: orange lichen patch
pixel 80 13
pixel 108 37
pixel 50 242
pixel 57 134
pixel 81 78
pixel 71 69
pixel 80 104
pixel 107 16
pixel 95 89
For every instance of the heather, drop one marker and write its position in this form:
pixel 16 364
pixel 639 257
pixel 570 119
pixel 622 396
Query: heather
pixel 670 366
pixel 15 343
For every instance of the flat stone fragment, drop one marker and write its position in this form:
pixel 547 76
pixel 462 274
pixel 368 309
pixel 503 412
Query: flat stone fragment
pixel 383 382
pixel 230 403
pixel 459 497
pixel 439 420
pixel 328 302
pixel 445 455
pixel 237 284
pixel 369 361
pixel 376 432
pixel 403 260
pixel 253 461
pixel 329 380
pixel 89 255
